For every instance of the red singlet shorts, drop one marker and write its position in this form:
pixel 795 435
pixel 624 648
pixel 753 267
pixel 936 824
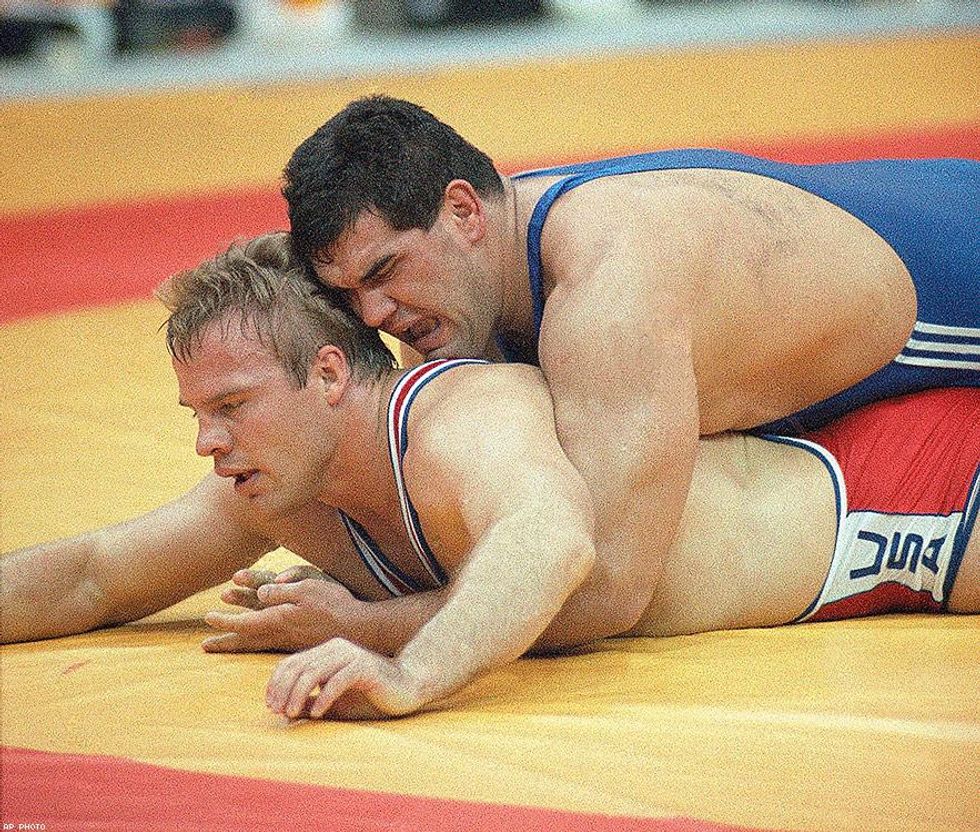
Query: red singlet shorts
pixel 906 473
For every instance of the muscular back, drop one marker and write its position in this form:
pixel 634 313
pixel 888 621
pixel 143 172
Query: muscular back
pixel 791 298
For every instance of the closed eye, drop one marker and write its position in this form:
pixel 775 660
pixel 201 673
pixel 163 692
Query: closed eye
pixel 376 279
pixel 379 272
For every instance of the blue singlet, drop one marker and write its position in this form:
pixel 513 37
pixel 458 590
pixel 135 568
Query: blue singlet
pixel 928 211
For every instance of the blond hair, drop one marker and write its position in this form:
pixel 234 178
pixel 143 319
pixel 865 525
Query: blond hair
pixel 257 284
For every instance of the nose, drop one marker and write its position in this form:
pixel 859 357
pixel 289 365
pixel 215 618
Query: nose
pixel 212 439
pixel 373 306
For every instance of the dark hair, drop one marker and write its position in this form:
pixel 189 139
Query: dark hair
pixel 257 285
pixel 380 154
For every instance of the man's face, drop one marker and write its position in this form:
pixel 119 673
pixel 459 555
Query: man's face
pixel 268 436
pixel 427 288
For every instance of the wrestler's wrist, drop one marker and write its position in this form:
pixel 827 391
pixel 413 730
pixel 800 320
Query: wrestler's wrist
pixel 420 684
pixel 367 628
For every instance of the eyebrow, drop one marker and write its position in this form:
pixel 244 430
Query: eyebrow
pixel 378 265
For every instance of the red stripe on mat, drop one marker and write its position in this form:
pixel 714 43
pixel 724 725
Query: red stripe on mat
pixel 961 142
pixel 99 255
pixel 61 260
pixel 75 792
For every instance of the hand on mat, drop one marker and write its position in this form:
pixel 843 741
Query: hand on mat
pixel 288 616
pixel 349 682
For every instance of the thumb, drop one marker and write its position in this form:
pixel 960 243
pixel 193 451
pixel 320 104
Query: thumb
pixel 253 578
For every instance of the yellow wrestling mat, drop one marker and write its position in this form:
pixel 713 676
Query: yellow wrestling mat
pixel 869 725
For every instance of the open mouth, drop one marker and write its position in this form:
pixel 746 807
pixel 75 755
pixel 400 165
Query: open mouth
pixel 244 477
pixel 422 335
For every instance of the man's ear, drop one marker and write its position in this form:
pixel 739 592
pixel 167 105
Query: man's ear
pixel 331 369
pixel 464 207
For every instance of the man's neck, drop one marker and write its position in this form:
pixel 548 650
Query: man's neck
pixel 509 220
pixel 359 479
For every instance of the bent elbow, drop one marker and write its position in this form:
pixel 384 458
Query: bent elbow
pixel 577 559
pixel 621 608
pixel 627 616
pixel 615 619
pixel 584 559
pixel 93 608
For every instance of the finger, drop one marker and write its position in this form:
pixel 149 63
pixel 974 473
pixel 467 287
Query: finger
pixel 300 572
pixel 306 683
pixel 325 660
pixel 253 578
pixel 225 643
pixel 343 681
pixel 271 594
pixel 264 629
pixel 223 620
pixel 240 596
pixel 252 622
pixel 282 680
pixel 280 688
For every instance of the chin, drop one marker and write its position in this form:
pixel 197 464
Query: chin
pixel 269 503
pixel 262 504
pixel 283 503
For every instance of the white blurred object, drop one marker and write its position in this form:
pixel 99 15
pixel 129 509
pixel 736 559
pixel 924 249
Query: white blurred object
pixel 584 10
pixel 299 23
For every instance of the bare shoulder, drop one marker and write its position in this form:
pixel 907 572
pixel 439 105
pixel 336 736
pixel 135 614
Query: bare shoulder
pixel 667 213
pixel 475 420
pixel 646 243
pixel 472 401
pixel 483 444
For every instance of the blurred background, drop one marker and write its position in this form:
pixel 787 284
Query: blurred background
pixel 138 136
pixel 79 46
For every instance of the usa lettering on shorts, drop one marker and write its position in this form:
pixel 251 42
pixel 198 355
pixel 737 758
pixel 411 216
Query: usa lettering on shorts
pixel 909 549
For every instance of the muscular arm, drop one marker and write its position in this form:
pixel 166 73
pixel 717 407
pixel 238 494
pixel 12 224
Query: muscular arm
pixel 616 350
pixel 387 626
pixel 127 571
pixel 527 516
pixel 518 518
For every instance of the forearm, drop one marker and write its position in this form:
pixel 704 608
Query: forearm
pixel 633 539
pixel 494 615
pixel 46 591
pixel 605 604
pixel 387 626
pixel 639 487
pixel 638 468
